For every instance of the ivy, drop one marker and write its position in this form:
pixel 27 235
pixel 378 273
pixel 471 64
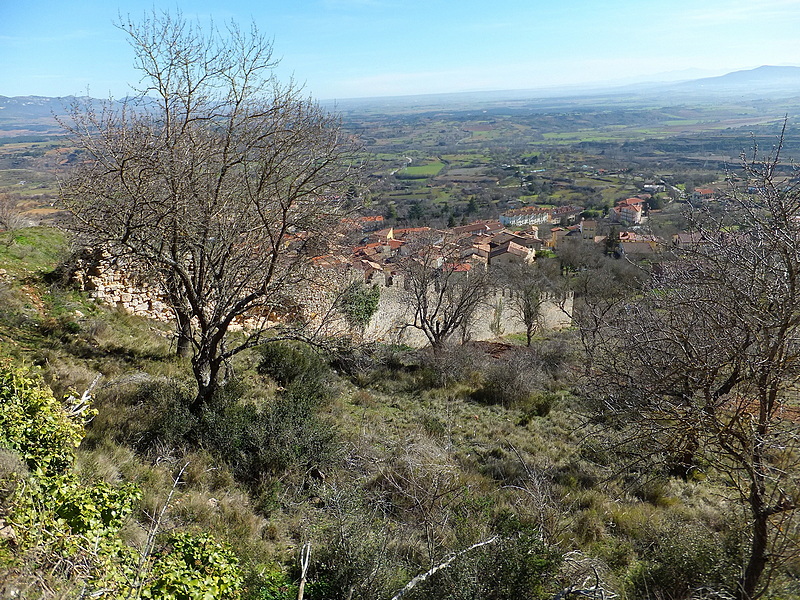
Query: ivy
pixel 358 303
pixel 72 527
pixel 63 520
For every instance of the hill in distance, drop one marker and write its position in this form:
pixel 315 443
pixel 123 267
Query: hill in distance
pixel 766 74
pixel 765 82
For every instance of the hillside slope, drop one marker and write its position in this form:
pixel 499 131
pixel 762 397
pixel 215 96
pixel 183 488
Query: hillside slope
pixel 384 462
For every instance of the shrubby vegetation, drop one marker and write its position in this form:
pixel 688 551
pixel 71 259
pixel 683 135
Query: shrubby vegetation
pixel 72 529
pixel 36 426
pixel 389 463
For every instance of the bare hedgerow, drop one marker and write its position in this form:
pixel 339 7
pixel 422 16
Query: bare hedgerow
pixel 419 483
pixel 355 552
pixel 452 363
pixel 509 381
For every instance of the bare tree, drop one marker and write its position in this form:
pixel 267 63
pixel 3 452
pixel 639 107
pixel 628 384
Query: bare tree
pixel 703 366
pixel 9 212
pixel 601 286
pixel 442 290
pixel 531 285
pixel 218 183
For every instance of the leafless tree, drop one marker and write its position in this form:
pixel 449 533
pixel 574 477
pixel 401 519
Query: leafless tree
pixel 218 182
pixel 702 368
pixel 442 290
pixel 602 286
pixel 531 285
pixel 9 212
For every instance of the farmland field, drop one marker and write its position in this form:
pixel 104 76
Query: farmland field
pixel 465 160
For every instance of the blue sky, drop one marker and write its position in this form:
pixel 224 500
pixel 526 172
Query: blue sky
pixel 361 48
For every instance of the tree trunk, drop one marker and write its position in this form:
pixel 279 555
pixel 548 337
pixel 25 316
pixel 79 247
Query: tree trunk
pixel 746 588
pixel 747 585
pixel 184 343
pixel 206 368
pixel 205 393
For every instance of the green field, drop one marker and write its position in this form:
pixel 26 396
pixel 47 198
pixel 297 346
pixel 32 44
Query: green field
pixel 421 171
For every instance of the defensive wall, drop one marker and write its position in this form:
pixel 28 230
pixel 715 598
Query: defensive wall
pixel 494 317
pixel 108 281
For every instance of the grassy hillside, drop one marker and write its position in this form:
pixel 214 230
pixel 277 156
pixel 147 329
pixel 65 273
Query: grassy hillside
pixel 383 461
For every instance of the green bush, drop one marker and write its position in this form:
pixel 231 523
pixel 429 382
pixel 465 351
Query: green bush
pixel 150 416
pixel 518 565
pixel 272 585
pixel 253 440
pixel 258 441
pixel 676 558
pixel 70 507
pixel 292 364
pixel 193 566
pixel 36 425
pixel 12 472
pixel 56 517
pixel 536 405
pixel 60 520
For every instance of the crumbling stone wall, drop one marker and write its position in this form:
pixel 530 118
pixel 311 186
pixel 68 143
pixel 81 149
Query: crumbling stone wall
pixel 111 281
pixel 493 318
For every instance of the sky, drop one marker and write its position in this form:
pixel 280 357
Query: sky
pixel 343 49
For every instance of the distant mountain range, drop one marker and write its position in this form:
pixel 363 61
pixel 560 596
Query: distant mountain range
pixel 762 82
pixel 765 82
pixel 784 77
pixel 35 113
pixel 31 110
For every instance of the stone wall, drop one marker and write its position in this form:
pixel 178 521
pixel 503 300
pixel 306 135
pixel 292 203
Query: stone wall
pixel 493 318
pixel 108 281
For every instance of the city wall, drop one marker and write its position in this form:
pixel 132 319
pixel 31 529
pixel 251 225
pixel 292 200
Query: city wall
pixel 493 318
pixel 110 283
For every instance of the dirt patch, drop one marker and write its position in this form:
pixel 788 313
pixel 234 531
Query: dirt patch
pixel 496 350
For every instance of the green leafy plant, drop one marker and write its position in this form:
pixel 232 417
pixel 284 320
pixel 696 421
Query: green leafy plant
pixel 194 566
pixel 259 441
pixel 36 425
pixel 273 585
pixel 55 516
pixel 358 303
pixel 62 519
pixel 293 365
